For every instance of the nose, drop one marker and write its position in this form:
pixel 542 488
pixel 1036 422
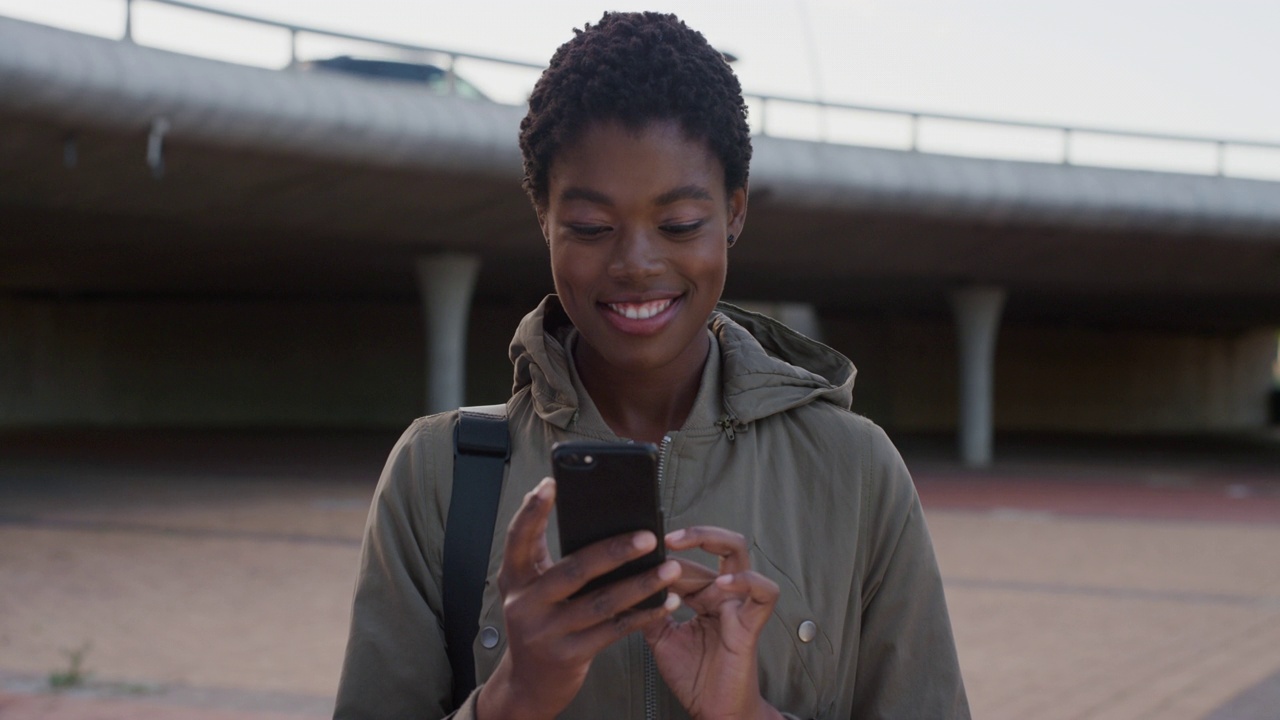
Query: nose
pixel 636 256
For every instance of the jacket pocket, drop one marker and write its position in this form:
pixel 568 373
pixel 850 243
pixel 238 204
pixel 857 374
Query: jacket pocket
pixel 797 657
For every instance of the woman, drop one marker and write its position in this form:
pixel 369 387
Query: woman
pixel 802 583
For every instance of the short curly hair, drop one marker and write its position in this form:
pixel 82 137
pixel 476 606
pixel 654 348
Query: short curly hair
pixel 635 68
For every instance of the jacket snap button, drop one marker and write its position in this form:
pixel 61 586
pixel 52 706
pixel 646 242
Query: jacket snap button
pixel 489 637
pixel 808 631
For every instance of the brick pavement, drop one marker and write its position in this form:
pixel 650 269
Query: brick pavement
pixel 209 577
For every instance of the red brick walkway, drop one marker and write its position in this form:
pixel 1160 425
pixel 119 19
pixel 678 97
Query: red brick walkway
pixel 1246 497
pixel 213 575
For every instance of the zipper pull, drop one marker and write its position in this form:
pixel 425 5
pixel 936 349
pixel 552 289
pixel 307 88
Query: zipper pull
pixel 727 425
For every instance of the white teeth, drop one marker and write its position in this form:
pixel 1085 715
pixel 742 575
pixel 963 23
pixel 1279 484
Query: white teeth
pixel 642 311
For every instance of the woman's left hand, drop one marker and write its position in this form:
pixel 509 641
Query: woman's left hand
pixel 710 662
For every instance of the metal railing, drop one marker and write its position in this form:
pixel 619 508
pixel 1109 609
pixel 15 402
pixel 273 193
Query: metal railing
pixel 914 117
pixel 295 30
pixel 1067 131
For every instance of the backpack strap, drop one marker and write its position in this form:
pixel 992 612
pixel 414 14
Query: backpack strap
pixel 481 447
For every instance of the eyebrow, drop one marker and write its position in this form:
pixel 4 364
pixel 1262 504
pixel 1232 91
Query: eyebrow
pixel 591 196
pixel 685 192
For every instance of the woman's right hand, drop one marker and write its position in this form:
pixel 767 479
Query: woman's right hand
pixel 552 639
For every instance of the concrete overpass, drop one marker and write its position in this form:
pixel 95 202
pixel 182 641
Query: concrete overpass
pixel 190 242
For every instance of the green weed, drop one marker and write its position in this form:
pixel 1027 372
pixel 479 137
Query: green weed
pixel 75 674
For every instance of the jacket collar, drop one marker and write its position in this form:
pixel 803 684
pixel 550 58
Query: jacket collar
pixel 764 368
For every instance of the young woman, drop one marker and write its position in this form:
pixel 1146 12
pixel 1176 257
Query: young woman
pixel 802 581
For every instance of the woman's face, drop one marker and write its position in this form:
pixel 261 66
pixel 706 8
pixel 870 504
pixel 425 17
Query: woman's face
pixel 637 224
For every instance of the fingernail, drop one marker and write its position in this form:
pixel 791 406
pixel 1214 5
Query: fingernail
pixel 644 540
pixel 543 491
pixel 724 580
pixel 672 602
pixel 669 570
pixel 675 536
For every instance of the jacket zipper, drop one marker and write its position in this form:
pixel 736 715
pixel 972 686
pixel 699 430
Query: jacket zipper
pixel 651 666
pixel 730 426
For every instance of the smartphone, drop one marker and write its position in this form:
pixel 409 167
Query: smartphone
pixel 605 489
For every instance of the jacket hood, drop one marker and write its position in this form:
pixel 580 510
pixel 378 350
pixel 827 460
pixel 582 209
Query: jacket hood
pixel 766 367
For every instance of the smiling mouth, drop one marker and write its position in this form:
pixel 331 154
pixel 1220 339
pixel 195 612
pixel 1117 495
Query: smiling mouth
pixel 641 311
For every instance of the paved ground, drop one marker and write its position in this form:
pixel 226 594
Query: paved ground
pixel 208 577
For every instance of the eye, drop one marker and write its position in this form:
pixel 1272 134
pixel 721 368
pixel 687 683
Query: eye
pixel 588 231
pixel 679 229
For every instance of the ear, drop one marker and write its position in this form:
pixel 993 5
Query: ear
pixel 737 211
pixel 542 224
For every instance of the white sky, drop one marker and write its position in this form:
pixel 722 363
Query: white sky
pixel 1201 67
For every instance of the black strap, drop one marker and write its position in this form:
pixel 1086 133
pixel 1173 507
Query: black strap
pixel 481 446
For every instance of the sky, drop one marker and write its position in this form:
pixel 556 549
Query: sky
pixel 1198 67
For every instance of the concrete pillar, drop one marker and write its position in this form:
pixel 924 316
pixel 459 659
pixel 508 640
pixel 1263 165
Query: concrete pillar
pixel 446 283
pixel 801 317
pixel 977 311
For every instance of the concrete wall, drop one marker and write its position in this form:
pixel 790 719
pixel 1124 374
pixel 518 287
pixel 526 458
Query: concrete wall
pixel 906 371
pixel 1063 379
pixel 208 364
pixel 69 362
pixel 1134 382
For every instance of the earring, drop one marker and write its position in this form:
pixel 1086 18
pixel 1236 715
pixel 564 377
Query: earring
pixel 732 240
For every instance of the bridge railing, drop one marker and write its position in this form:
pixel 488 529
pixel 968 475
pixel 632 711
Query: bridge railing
pixel 295 30
pixel 1067 136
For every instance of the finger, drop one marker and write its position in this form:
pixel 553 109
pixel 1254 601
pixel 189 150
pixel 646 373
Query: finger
pixel 729 545
pixel 525 554
pixel 602 635
pixel 752 587
pixel 586 564
pixel 694 577
pixel 748 590
pixel 607 603
pixel 542 555
pixel 659 628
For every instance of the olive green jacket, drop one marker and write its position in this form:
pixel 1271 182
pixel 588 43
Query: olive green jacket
pixel 770 450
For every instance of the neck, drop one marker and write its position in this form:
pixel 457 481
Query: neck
pixel 642 406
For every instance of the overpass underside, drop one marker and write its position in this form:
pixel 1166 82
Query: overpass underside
pixel 277 270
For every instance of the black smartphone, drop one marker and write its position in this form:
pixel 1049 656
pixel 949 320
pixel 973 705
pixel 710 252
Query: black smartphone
pixel 605 489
